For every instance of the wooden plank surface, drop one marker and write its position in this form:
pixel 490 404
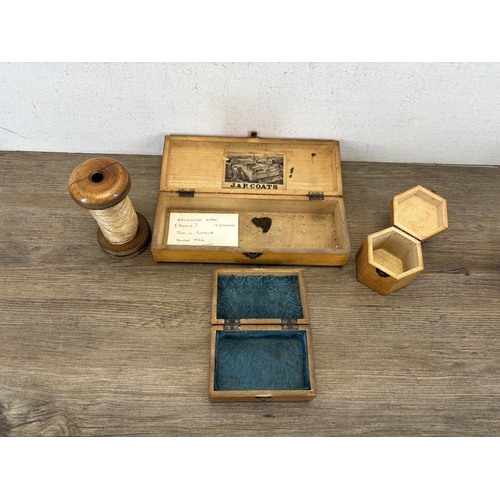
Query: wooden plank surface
pixel 91 346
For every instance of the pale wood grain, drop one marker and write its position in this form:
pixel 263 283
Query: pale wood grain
pixel 92 346
pixel 198 162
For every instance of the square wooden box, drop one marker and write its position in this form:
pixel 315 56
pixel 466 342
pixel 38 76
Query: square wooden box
pixel 297 184
pixel 392 258
pixel 260 358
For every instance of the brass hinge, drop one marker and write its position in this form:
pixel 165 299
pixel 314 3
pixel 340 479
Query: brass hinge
pixel 186 192
pixel 316 196
pixel 289 324
pixel 232 325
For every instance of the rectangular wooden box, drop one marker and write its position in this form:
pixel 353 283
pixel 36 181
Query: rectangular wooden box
pixel 258 358
pixel 297 184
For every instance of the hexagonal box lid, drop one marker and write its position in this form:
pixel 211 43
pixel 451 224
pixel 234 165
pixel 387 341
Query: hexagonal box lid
pixel 419 212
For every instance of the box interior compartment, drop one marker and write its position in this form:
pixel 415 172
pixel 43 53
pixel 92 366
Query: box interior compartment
pixel 259 296
pixel 261 360
pixel 297 225
pixel 395 253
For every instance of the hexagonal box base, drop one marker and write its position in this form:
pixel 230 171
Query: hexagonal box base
pixel 389 260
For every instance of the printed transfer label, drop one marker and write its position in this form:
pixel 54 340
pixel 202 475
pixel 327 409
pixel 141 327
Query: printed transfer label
pixel 254 171
pixel 203 229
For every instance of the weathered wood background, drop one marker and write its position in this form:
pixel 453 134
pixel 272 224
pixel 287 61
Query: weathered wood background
pixel 93 346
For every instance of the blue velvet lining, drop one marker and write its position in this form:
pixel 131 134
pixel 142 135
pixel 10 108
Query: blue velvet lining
pixel 261 360
pixel 259 297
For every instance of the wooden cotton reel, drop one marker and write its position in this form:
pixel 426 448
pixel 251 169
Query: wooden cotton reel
pixel 101 185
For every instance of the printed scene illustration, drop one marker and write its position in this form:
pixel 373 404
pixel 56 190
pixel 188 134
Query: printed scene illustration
pixel 254 168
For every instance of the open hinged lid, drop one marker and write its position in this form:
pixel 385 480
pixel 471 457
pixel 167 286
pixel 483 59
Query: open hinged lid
pixel 242 166
pixel 259 297
pixel 419 212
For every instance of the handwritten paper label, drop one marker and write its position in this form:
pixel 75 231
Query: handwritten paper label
pixel 203 229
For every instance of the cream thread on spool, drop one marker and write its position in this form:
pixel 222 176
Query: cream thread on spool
pixel 119 223
pixel 102 185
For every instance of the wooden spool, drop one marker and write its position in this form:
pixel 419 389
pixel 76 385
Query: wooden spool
pixel 101 185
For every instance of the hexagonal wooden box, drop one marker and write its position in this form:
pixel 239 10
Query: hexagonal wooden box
pixel 392 258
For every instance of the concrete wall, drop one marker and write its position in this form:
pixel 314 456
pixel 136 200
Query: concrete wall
pixel 381 112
